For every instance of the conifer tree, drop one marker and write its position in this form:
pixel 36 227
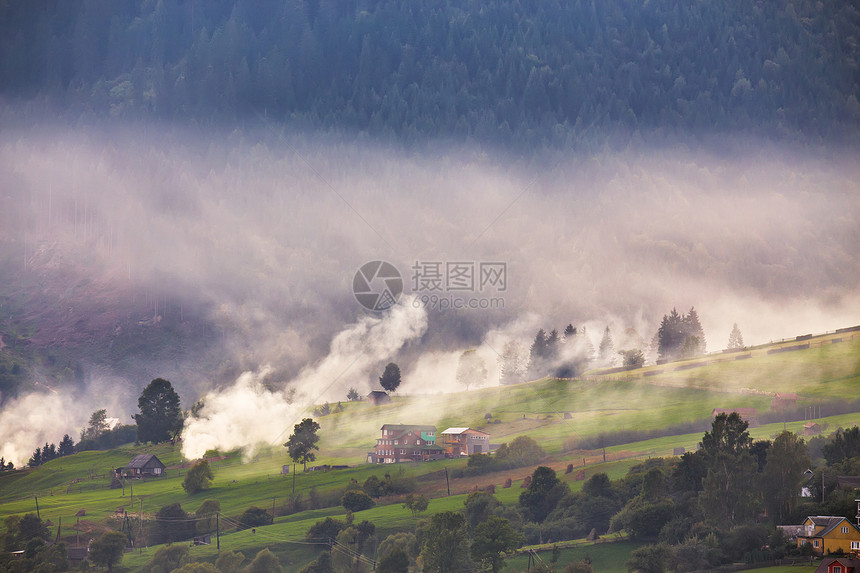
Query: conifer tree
pixel 606 350
pixel 736 339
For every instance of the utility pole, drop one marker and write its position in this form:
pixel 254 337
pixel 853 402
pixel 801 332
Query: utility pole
pixel 294 478
pixel 218 531
pixel 448 483
pixel 140 524
pixel 37 507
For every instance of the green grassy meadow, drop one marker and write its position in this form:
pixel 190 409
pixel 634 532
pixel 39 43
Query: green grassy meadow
pixel 597 404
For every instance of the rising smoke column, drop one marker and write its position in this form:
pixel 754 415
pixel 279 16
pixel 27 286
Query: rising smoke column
pixel 248 414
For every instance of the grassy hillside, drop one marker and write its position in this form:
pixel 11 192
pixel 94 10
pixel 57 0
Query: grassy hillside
pixel 646 399
pixel 599 404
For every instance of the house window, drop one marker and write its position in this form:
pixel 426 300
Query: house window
pixel 815 543
pixel 855 545
pixel 844 530
pixel 395 442
pixel 836 569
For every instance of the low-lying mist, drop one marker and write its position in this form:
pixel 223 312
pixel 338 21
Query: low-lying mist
pixel 263 235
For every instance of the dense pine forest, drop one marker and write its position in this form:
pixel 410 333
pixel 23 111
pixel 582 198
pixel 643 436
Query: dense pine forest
pixel 529 73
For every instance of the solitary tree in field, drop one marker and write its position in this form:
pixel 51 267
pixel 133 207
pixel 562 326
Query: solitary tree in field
pixel 783 474
pixel 390 378
pixel 726 494
pixel 606 350
pixel 416 504
pixel 160 417
pixel 396 561
pixel 543 494
pixel 493 540
pixel 198 478
pixel 736 339
pixel 67 446
pixel 206 515
pixel 303 442
pixel 107 549
pixel 513 363
pixel 446 543
pixel 97 425
pixel 632 358
pixel 471 369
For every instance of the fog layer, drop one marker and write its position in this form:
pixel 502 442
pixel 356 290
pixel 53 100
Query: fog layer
pixel 263 235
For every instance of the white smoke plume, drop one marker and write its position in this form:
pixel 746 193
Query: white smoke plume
pixel 41 417
pixel 249 413
pixel 36 419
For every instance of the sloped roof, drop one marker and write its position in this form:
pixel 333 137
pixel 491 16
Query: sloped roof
pixel 397 430
pixel 457 431
pixel 142 460
pixel 847 563
pixel 849 482
pixel 77 553
pixel 828 523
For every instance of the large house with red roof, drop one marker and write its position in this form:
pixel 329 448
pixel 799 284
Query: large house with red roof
pixel 406 443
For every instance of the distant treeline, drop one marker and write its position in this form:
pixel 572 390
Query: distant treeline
pixel 106 440
pixel 516 71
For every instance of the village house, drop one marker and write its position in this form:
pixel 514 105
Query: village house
pixel 749 415
pixel 783 402
pixel 848 482
pixel 811 429
pixel 829 534
pixel 378 397
pixel 143 465
pixel 76 555
pixel 838 565
pixel 406 443
pixel 464 442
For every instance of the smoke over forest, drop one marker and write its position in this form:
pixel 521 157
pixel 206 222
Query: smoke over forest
pixel 241 248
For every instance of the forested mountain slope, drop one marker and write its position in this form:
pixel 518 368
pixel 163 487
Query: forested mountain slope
pixel 530 72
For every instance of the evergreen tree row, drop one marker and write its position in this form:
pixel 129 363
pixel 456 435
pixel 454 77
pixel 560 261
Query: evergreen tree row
pixel 680 336
pixel 50 451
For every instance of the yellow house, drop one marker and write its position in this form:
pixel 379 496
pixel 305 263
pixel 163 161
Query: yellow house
pixel 829 534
